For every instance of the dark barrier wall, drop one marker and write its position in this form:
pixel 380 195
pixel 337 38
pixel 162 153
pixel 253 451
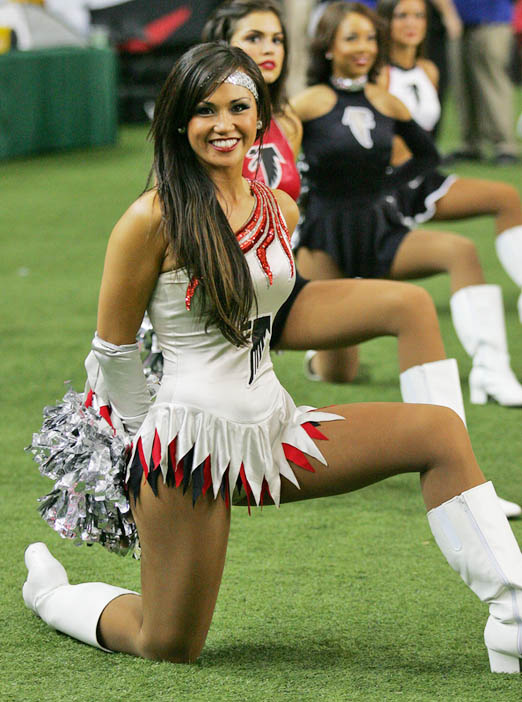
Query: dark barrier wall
pixel 149 35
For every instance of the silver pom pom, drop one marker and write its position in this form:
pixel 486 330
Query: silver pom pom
pixel 87 460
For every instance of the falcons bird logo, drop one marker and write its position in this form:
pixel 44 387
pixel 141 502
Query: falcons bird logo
pixel 361 121
pixel 260 333
pixel 415 90
pixel 270 165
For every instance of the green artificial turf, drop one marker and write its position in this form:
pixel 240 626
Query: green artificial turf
pixel 345 598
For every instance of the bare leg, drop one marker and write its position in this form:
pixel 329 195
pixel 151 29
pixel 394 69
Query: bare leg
pixel 423 253
pixel 183 555
pixel 379 440
pixel 184 545
pixel 477 310
pixel 469 197
pixel 339 365
pixel 331 313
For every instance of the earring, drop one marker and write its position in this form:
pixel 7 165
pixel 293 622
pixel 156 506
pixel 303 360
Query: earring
pixel 182 130
pixel 328 56
pixel 259 124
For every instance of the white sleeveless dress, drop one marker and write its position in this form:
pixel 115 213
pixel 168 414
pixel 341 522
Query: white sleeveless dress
pixel 221 419
pixel 417 200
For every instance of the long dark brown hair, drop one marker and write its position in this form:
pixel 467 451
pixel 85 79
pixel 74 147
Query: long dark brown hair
pixel 320 68
pixel 385 9
pixel 195 225
pixel 221 26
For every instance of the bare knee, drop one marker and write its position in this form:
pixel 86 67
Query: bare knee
pixel 410 305
pixel 464 264
pixel 510 199
pixel 509 207
pixel 464 251
pixel 451 467
pixel 337 366
pixel 175 648
pixel 445 434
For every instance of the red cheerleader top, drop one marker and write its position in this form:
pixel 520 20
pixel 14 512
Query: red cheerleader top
pixel 277 168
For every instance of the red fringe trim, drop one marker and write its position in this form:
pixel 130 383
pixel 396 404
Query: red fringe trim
pixel 298 457
pixel 207 482
pixel 313 432
pixel 246 485
pixel 156 450
pixel 292 453
pixel 88 399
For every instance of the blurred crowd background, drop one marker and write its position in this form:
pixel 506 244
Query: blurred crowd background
pixel 103 61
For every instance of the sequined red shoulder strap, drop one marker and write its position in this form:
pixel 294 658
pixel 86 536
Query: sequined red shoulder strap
pixel 265 224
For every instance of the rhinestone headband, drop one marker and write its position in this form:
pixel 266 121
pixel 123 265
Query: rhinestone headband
pixel 240 78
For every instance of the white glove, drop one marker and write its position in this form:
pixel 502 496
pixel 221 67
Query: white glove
pixel 115 375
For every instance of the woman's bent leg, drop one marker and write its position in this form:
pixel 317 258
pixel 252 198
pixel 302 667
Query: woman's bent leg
pixel 464 513
pixel 183 554
pixel 423 253
pixel 470 197
pixel 182 559
pixel 337 364
pixel 378 440
pixel 476 309
pixel 331 313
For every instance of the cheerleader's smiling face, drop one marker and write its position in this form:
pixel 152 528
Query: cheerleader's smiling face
pixel 354 48
pixel 409 24
pixel 261 36
pixel 223 127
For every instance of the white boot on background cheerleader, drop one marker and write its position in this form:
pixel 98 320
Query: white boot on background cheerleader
pixel 509 251
pixel 477 541
pixel 72 609
pixel 435 383
pixel 438 383
pixel 309 372
pixel 478 317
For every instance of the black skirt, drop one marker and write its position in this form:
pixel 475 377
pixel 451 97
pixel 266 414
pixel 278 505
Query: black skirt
pixel 417 200
pixel 361 235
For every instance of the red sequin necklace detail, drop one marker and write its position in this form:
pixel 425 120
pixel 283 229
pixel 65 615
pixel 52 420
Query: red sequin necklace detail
pixel 265 225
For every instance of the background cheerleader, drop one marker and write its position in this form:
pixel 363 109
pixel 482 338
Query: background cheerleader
pixel 436 196
pixel 353 226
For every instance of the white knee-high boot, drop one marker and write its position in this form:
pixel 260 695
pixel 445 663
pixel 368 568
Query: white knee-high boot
pixel 476 540
pixel 72 609
pixel 435 383
pixel 478 317
pixel 438 383
pixel 509 251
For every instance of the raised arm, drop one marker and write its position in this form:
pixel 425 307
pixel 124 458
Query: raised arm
pixel 450 17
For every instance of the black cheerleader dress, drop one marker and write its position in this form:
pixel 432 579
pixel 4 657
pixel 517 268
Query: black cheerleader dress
pixel 352 212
